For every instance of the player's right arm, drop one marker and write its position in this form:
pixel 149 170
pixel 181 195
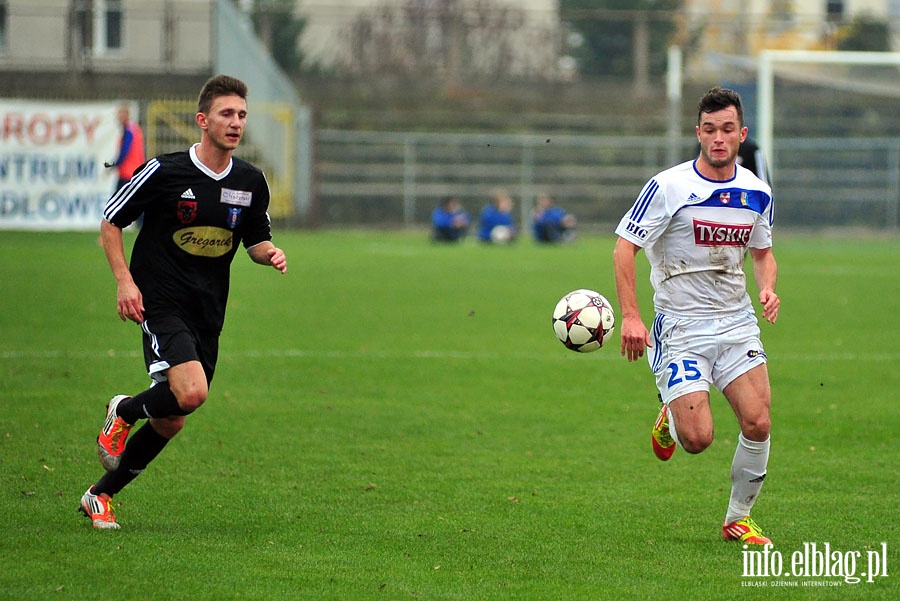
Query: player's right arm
pixel 635 336
pixel 129 301
pixel 123 208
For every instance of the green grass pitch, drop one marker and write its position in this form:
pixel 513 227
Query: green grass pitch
pixel 393 419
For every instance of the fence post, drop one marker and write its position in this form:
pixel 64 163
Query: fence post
pixel 673 97
pixel 409 180
pixel 526 182
pixel 893 187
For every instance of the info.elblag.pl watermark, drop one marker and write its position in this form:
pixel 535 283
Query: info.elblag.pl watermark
pixel 813 565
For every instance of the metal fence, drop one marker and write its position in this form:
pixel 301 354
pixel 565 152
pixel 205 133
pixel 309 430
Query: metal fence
pixel 396 179
pixel 838 182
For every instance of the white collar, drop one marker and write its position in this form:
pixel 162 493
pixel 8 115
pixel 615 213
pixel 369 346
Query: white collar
pixel 207 170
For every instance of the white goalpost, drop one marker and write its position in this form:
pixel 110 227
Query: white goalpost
pixel 768 59
pixel 841 170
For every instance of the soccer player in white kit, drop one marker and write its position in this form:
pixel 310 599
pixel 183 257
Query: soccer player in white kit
pixel 696 222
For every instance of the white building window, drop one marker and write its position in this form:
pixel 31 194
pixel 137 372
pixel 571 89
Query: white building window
pixel 107 26
pixel 99 24
pixel 3 24
pixel 834 10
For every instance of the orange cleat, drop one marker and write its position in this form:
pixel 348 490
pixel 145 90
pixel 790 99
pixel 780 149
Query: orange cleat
pixel 746 531
pixel 99 509
pixel 111 442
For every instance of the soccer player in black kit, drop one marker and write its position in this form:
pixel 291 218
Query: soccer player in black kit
pixel 199 205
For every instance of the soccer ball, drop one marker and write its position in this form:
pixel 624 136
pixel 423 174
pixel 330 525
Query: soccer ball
pixel 583 320
pixel 501 234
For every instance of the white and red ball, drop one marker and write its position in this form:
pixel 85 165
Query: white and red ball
pixel 583 320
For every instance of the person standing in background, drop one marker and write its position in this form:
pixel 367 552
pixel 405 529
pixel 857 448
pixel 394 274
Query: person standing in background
pixel 751 157
pixel 131 147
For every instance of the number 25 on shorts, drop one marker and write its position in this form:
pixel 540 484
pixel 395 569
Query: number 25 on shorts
pixel 686 372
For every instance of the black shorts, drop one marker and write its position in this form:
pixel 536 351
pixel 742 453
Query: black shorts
pixel 170 341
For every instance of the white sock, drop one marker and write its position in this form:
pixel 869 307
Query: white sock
pixel 748 470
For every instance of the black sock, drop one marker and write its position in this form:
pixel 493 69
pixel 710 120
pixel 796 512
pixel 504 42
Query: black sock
pixel 156 401
pixel 142 448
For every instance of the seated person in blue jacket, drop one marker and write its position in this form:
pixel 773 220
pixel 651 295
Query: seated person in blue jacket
pixel 552 223
pixel 449 222
pixel 496 224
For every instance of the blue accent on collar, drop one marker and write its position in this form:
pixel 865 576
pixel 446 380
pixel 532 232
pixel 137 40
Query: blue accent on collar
pixel 715 181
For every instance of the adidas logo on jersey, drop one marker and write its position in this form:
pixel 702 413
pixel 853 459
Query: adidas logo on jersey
pixel 188 194
pixel 693 198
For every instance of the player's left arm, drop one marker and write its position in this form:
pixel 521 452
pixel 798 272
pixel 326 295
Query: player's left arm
pixel 258 231
pixel 765 270
pixel 266 253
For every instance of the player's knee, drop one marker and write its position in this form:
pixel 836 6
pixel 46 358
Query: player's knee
pixel 697 442
pixel 756 428
pixel 697 438
pixel 190 400
pixel 190 385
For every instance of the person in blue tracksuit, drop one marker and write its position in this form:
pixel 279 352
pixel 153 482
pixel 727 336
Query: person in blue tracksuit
pixel 449 221
pixel 552 223
pixel 496 224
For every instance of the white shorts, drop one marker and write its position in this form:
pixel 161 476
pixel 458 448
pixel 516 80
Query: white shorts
pixel 691 354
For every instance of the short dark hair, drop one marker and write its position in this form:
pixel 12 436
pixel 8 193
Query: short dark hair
pixel 219 85
pixel 717 99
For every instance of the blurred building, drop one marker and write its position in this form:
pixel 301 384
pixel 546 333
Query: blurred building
pixel 85 46
pixel 63 42
pixel 748 26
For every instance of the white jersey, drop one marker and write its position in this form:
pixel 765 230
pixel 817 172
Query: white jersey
pixel 696 232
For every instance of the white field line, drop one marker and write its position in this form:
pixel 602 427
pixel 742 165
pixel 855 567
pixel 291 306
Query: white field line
pixel 611 354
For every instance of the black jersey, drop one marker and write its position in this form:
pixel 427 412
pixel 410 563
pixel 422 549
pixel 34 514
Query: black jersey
pixel 194 221
pixel 750 156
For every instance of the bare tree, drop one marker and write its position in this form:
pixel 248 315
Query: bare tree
pixel 457 39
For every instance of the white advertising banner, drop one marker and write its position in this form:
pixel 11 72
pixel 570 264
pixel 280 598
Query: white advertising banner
pixel 52 155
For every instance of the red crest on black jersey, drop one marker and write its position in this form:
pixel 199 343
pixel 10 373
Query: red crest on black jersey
pixel 187 211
